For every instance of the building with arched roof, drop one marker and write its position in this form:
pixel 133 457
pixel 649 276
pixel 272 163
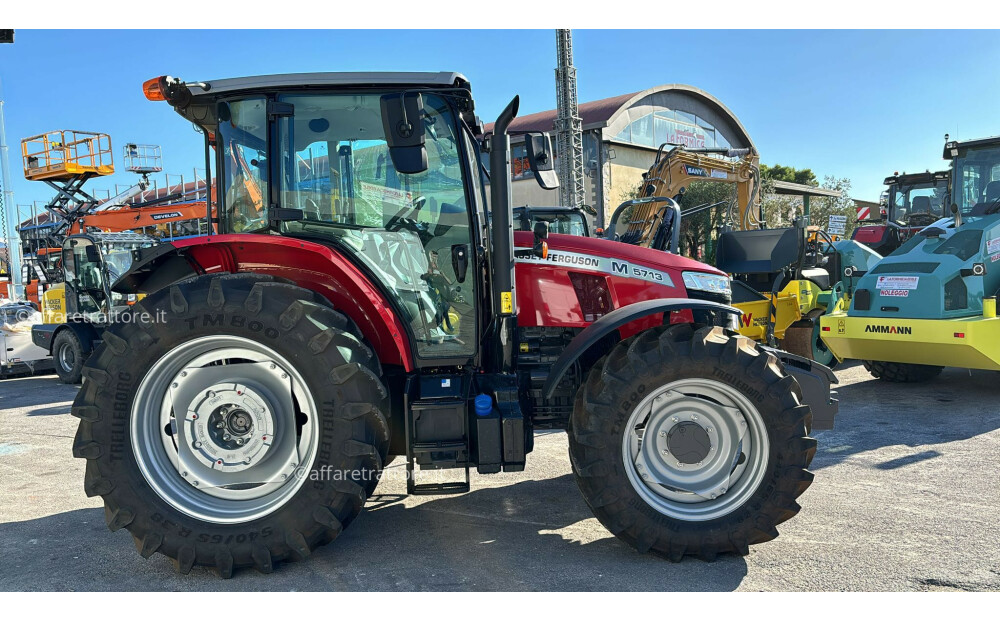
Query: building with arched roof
pixel 620 137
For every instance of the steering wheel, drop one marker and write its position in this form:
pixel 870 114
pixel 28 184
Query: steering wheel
pixel 404 217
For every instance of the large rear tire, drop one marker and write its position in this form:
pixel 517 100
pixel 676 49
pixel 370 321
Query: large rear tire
pixel 242 427
pixel 896 372
pixel 691 442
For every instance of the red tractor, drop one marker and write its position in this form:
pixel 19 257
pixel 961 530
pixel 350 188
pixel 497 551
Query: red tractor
pixel 358 304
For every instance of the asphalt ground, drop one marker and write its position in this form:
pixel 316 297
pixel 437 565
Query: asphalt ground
pixel 906 497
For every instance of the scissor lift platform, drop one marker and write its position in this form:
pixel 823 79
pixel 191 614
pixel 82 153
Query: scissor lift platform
pixel 66 155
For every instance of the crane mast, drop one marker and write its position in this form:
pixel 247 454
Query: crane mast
pixel 569 125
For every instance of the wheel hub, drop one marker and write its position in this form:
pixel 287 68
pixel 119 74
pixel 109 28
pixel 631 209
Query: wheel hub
pixel 688 442
pixel 231 427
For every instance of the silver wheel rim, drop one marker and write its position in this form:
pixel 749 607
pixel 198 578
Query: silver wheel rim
pixel 67 357
pixel 220 427
pixel 672 479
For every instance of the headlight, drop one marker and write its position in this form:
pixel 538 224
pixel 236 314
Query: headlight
pixel 709 282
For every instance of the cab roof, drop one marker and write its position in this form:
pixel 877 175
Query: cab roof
pixel 440 79
pixel 201 109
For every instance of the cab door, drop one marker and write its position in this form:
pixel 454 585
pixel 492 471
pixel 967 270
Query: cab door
pixel 88 292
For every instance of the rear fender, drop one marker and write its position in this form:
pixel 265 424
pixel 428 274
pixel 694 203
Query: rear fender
pixel 310 265
pixel 602 327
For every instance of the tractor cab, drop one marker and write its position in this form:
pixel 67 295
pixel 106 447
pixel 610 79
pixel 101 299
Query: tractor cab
pixel 558 220
pixel 912 201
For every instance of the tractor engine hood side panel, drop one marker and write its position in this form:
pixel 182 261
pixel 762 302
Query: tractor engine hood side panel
pixel 630 275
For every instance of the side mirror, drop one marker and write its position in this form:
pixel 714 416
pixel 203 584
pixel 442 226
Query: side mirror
pixel 540 247
pixel 460 261
pixel 541 159
pixel 402 121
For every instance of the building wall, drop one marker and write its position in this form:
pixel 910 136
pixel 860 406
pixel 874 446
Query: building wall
pixel 619 152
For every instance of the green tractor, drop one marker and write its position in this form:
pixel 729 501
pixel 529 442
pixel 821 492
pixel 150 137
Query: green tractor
pixel 932 302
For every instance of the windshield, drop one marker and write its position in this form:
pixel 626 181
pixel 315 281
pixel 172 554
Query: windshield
pixel 976 184
pixel 925 199
pixel 566 223
pixel 411 230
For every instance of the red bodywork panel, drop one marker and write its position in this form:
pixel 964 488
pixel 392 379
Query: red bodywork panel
pixel 868 234
pixel 546 295
pixel 545 290
pixel 313 266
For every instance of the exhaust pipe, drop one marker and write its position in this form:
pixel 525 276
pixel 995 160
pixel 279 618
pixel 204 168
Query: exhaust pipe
pixel 502 236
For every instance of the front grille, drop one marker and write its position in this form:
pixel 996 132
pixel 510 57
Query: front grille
pixel 721 298
pixel 905 268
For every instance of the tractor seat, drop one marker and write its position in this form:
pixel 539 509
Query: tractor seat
pixel 992 194
pixel 921 204
pixel 818 276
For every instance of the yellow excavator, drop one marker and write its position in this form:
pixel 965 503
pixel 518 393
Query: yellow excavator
pixel 782 278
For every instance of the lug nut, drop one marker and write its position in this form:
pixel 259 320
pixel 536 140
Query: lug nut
pixel 219 425
pixel 663 433
pixel 184 373
pixel 710 429
pixel 273 366
pixel 227 437
pixel 194 482
pixel 239 442
pixel 173 385
pixel 665 453
pixel 694 417
pixel 197 444
pixel 211 394
pixel 675 419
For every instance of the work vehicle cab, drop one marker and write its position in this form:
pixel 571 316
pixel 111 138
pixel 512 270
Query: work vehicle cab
pixel 912 202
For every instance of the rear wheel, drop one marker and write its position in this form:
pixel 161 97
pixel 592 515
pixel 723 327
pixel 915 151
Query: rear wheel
pixel 67 352
pixel 243 429
pixel 691 443
pixel 896 372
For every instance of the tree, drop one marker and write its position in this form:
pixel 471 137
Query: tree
pixel 777 172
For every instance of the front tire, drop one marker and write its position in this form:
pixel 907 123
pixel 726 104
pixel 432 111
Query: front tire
pixel 243 428
pixel 67 353
pixel 897 372
pixel 691 442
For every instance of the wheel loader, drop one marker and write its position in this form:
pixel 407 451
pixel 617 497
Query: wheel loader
pixel 932 302
pixel 783 278
pixel 384 316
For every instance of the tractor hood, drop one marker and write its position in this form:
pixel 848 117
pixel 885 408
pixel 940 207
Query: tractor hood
pixel 614 250
pixel 943 272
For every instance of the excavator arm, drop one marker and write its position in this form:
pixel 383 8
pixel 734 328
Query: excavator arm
pixel 675 169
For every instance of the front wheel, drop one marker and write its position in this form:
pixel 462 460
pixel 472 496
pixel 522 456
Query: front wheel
pixel 691 442
pixel 67 352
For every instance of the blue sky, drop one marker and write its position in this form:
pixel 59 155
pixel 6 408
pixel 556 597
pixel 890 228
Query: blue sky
pixel 855 104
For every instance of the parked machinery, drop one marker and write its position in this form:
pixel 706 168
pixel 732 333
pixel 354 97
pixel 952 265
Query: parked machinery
pixel 932 302
pixel 782 278
pixel 77 309
pixel 249 422
pixel 913 201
